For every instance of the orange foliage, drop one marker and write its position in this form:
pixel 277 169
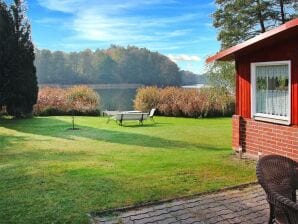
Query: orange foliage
pixel 174 101
pixel 59 101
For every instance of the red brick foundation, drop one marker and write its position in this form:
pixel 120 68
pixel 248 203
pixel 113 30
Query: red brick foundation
pixel 266 138
pixel 236 132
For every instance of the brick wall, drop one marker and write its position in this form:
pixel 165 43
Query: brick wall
pixel 266 138
pixel 235 132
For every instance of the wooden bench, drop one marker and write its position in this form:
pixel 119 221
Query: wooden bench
pixel 109 113
pixel 125 116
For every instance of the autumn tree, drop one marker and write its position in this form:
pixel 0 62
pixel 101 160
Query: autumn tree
pixel 114 65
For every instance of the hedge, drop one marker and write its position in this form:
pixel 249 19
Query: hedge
pixel 175 101
pixel 77 100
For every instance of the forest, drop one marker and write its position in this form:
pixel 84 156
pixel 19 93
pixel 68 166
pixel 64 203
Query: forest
pixel 110 66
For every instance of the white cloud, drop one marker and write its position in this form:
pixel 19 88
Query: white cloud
pixel 49 21
pixel 112 21
pixel 62 5
pixel 107 7
pixel 184 57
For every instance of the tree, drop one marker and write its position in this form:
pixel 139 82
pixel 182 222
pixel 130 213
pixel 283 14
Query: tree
pixel 21 86
pixel 222 75
pixel 239 20
pixel 59 67
pixel 85 67
pixel 114 65
pixel 104 68
pixel 169 72
pixel 43 60
pixel 286 10
pixel 6 51
pixel 72 63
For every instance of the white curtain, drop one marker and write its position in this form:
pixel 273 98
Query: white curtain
pixel 272 90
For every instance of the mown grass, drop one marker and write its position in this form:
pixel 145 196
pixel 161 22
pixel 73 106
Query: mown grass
pixel 53 175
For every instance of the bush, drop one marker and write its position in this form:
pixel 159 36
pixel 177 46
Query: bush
pixel 169 100
pixel 146 98
pixel 82 99
pixel 174 101
pixel 77 100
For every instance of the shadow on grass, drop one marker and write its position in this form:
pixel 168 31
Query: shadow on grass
pixel 53 127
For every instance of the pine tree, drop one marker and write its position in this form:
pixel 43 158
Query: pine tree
pixel 239 20
pixel 23 88
pixel 285 10
pixel 6 51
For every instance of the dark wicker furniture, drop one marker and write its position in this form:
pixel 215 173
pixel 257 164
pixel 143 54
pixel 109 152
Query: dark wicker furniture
pixel 278 175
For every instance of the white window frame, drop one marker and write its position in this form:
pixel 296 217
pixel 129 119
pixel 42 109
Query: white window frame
pixel 268 117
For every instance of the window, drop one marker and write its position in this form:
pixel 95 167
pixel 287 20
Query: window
pixel 271 91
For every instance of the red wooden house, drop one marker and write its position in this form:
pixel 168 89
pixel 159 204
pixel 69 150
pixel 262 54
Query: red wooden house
pixel 266 119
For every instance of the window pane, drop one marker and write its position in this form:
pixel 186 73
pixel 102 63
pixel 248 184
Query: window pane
pixel 272 88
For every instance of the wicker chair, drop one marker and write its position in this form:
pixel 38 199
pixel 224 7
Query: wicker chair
pixel 278 176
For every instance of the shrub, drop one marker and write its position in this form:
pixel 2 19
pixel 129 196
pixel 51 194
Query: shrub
pixel 82 99
pixel 146 98
pixel 174 101
pixel 79 100
pixel 169 100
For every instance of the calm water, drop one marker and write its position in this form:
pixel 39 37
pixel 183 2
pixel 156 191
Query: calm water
pixel 195 86
pixel 117 99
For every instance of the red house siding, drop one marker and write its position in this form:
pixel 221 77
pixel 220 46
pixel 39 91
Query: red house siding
pixel 280 52
pixel 259 137
pixel 243 91
pixel 256 137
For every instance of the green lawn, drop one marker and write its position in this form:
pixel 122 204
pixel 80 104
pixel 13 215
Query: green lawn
pixel 49 174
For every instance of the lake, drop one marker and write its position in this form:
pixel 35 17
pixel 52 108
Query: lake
pixel 117 99
pixel 195 86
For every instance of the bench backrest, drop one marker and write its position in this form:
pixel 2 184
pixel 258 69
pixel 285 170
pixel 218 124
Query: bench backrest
pixel 152 111
pixel 132 116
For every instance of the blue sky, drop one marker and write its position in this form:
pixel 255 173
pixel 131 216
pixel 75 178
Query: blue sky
pixel 180 29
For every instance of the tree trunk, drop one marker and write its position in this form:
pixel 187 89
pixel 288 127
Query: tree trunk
pixel 73 123
pixel 260 17
pixel 282 11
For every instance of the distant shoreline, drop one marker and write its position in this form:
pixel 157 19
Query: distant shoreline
pixel 117 86
pixel 99 86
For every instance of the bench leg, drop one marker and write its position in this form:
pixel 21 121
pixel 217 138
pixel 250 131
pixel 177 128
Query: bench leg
pixel 142 119
pixel 151 118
